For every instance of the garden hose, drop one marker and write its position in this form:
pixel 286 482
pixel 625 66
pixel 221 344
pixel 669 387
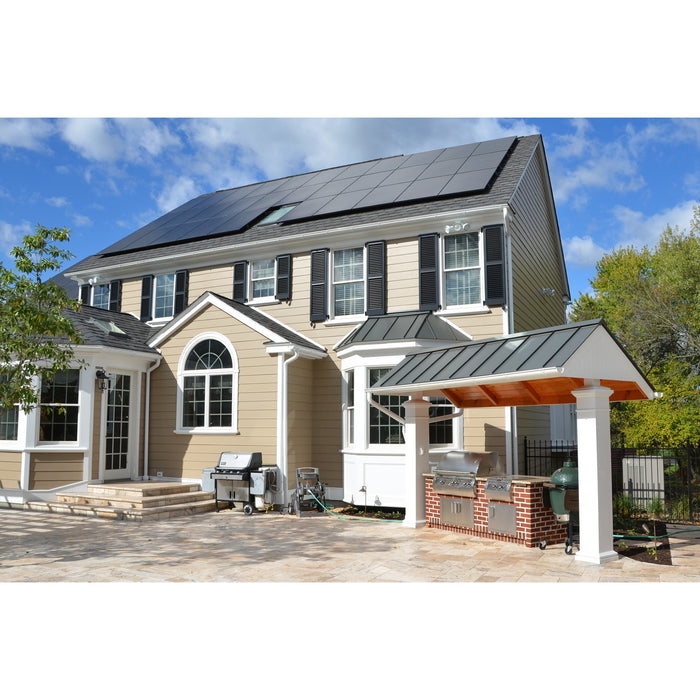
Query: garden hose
pixel 349 517
pixel 654 537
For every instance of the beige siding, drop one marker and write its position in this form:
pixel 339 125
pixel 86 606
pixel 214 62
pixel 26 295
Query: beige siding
pixel 53 469
pixel 131 296
pixel 402 275
pixel 96 427
pixel 300 426
pixel 10 470
pixel 534 424
pixel 535 256
pixel 178 455
pixel 216 279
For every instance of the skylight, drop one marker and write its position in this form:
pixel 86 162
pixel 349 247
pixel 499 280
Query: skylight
pixel 108 326
pixel 277 214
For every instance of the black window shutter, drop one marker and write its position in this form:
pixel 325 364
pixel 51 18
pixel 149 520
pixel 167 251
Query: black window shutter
pixel 240 281
pixel 181 288
pixel 146 297
pixel 319 285
pixel 85 293
pixel 115 295
pixel 494 258
pixel 376 278
pixel 284 278
pixel 428 272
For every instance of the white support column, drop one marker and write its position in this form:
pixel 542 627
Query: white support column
pixel 417 440
pixel 594 475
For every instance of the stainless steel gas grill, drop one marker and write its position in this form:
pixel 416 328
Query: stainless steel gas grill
pixel 455 475
pixel 232 479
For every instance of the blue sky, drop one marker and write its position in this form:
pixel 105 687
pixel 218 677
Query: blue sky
pixel 616 181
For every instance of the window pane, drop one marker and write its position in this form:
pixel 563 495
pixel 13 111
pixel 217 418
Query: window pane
pixel 383 429
pixel 165 296
pixel 58 424
pixel 8 424
pixel 209 354
pixel 100 296
pixel 347 265
pixel 462 251
pixel 63 388
pixel 441 431
pixel 220 400
pixel 463 287
pixel 349 299
pixel 193 402
pixel 263 276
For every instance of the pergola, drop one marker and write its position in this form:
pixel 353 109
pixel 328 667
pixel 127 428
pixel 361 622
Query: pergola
pixel 578 363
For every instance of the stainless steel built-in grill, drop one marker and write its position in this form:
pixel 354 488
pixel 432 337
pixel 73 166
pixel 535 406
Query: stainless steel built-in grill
pixel 232 477
pixel 456 472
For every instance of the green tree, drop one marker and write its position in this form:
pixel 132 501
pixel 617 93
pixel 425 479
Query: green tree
pixel 650 300
pixel 36 338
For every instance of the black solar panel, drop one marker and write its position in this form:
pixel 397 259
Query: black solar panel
pixel 446 171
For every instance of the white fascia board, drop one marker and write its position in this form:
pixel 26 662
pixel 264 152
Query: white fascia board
pixel 295 243
pixel 601 358
pixel 529 376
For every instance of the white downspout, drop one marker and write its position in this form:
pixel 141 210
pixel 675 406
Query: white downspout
pixel 509 323
pixel 147 417
pixel 282 444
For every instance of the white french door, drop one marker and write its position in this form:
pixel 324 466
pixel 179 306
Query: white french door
pixel 117 428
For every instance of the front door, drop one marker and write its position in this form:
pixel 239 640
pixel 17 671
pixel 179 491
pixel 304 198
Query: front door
pixel 117 424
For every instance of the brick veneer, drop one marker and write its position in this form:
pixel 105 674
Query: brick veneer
pixel 534 521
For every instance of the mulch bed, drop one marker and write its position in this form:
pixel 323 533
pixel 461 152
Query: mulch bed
pixel 643 550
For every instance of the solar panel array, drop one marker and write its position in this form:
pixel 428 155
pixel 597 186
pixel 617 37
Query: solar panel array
pixel 399 179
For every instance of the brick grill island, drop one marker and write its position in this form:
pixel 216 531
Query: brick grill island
pixel 535 521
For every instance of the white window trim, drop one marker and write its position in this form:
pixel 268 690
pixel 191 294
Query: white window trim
pixel 162 319
pixel 462 308
pixel 345 318
pixel 233 428
pixel 92 294
pixel 262 301
pixel 83 398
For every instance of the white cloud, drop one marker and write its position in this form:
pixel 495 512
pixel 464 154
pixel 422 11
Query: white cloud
pixel 110 141
pixel 25 133
pixel 81 220
pixel 11 235
pixel 582 251
pixel 177 193
pixel 639 230
pixel 57 201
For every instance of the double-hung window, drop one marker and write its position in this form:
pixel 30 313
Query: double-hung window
pixel 348 282
pixel 164 296
pixel 262 280
pixel 209 380
pixel 462 268
pixel 100 296
pixel 58 407
pixel 383 429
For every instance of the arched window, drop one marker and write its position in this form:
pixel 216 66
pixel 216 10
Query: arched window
pixel 209 386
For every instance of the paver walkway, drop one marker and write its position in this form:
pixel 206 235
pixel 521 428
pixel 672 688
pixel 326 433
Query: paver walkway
pixel 228 546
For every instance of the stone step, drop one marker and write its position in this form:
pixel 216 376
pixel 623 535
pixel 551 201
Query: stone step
pixel 132 500
pixel 141 489
pixel 111 512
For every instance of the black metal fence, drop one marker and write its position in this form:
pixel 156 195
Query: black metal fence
pixel 659 480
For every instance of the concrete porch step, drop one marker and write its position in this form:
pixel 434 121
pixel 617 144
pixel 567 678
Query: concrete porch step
pixel 147 500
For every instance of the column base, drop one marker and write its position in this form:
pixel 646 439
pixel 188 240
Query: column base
pixel 600 558
pixel 414 523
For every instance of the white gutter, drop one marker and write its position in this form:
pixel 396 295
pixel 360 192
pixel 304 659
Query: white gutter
pixel 509 323
pixel 147 417
pixel 282 441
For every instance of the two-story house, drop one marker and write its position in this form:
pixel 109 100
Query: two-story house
pixel 255 319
